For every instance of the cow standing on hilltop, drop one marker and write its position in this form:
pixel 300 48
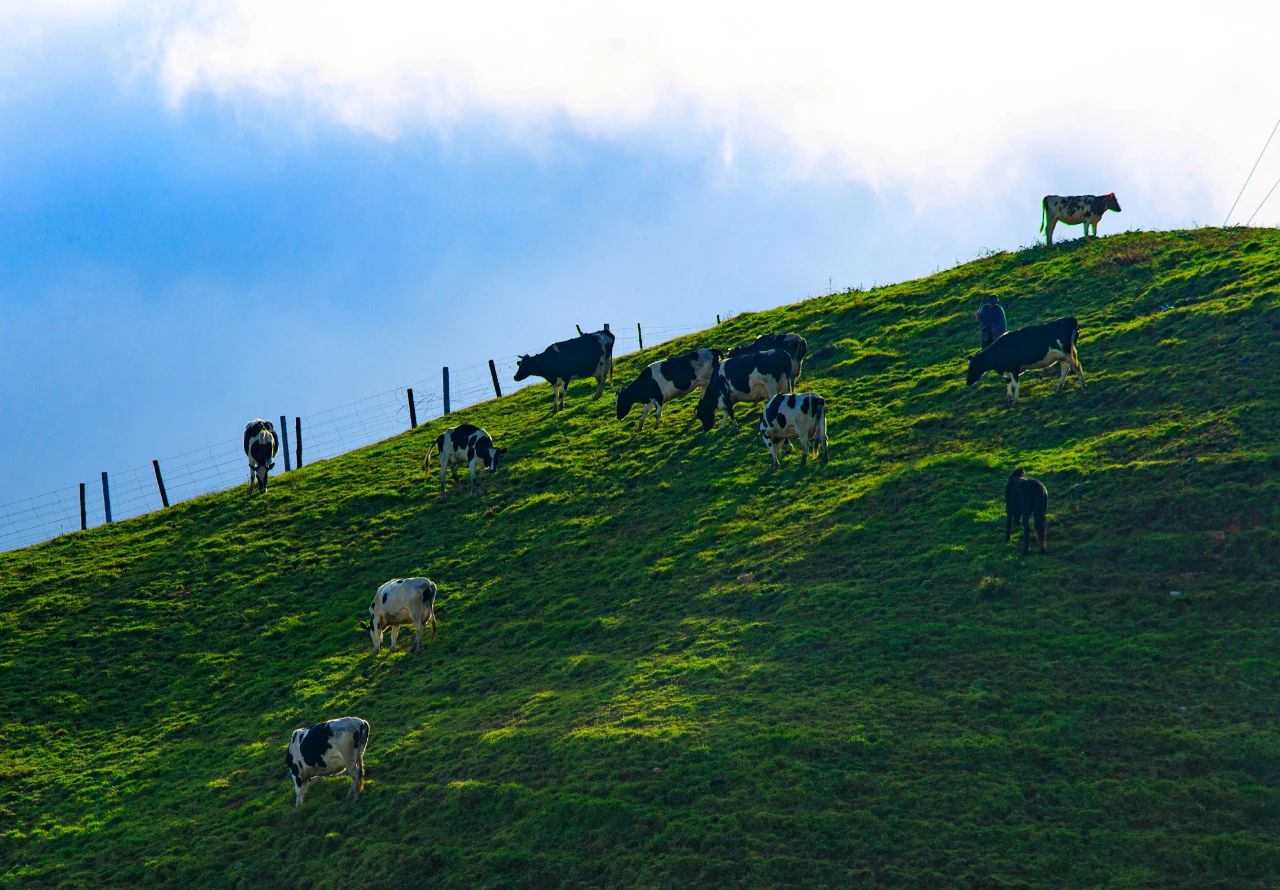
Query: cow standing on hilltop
pixel 1074 210
pixel 663 381
pixel 260 446
pixel 1036 346
pixel 589 355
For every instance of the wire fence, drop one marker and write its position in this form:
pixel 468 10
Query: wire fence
pixel 220 466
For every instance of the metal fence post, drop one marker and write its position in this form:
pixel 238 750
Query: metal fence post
pixel 84 519
pixel 164 497
pixel 493 372
pixel 446 390
pixel 284 440
pixel 106 496
pixel 297 435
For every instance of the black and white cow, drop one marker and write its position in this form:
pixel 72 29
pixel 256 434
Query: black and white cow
pixel 792 344
pixel 589 355
pixel 1036 346
pixel 465 445
pixel 1074 210
pixel 1025 499
pixel 663 381
pixel 327 749
pixel 260 446
pixel 797 415
pixel 744 378
pixel 399 602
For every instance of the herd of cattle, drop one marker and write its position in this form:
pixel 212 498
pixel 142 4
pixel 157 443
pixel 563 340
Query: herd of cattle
pixel 765 370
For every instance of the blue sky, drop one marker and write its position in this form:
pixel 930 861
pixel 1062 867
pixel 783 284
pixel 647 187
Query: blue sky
pixel 207 212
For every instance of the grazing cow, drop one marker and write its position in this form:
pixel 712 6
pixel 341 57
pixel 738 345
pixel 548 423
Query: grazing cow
pixel 326 749
pixel 663 381
pixel 751 377
pixel 1036 346
pixel 792 344
pixel 589 355
pixel 465 444
pixel 1074 210
pixel 260 446
pixel 1025 499
pixel 398 602
pixel 797 415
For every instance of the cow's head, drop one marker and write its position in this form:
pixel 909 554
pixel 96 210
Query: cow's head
pixel 1112 203
pixel 706 410
pixel 626 400
pixel 374 629
pixel 521 371
pixel 975 370
pixel 492 463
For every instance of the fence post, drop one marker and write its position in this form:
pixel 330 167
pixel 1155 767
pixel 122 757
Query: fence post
pixel 493 372
pixel 297 435
pixel 639 335
pixel 164 497
pixel 717 318
pixel 284 441
pixel 106 496
pixel 84 519
pixel 413 411
pixel 579 327
pixel 446 390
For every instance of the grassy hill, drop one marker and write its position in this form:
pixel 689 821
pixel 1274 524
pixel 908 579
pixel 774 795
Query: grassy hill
pixel 660 665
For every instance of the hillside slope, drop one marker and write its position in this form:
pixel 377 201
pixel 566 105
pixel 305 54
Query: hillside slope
pixel 659 665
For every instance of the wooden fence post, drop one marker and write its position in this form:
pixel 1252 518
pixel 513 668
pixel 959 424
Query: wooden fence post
pixel 297 435
pixel 579 327
pixel 446 390
pixel 106 496
pixel 164 497
pixel 639 335
pixel 493 372
pixel 284 441
pixel 717 318
pixel 413 411
pixel 84 519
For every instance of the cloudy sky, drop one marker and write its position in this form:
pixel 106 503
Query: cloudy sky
pixel 215 210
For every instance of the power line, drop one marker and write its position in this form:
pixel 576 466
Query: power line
pixel 1250 176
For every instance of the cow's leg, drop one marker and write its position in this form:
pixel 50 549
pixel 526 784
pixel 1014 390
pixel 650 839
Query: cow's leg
pixel 432 616
pixel 1009 519
pixel 657 414
pixel 1048 230
pixel 775 452
pixel 250 480
pixel 600 382
pixel 1040 529
pixel 395 634
pixel 804 448
pixel 475 478
pixel 1010 391
pixel 644 414
pixel 299 792
pixel 1063 370
pixel 417 638
pixel 1026 532
pixel 357 777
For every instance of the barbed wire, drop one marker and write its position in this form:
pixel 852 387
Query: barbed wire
pixel 326 434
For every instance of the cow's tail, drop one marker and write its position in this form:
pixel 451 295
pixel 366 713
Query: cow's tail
pixel 1044 212
pixel 820 437
pixel 1075 356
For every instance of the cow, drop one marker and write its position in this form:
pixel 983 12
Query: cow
pixel 1036 346
pixel 1074 210
pixel 663 381
pixel 589 355
pixel 260 446
pixel 792 344
pixel 398 602
pixel 752 377
pixel 797 415
pixel 1025 499
pixel 327 749
pixel 465 444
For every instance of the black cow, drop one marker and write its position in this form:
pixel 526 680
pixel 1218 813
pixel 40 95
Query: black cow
pixel 1025 499
pixel 260 446
pixel 465 444
pixel 587 356
pixel 753 377
pixel 1074 210
pixel 663 381
pixel 792 344
pixel 1036 346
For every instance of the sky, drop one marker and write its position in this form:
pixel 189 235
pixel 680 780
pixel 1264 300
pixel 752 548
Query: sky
pixel 211 211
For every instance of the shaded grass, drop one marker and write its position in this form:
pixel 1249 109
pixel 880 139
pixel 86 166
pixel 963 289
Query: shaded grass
pixel 661 665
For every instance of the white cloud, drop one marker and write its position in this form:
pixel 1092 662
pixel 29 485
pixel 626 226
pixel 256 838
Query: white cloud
pixel 942 101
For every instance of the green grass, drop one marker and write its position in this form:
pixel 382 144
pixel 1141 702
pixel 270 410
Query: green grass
pixel 660 665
